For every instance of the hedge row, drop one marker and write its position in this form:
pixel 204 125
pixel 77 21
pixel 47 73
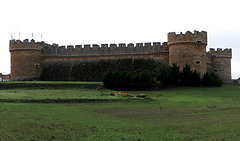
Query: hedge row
pixel 94 70
pixel 172 76
pixel 165 76
pixel 121 80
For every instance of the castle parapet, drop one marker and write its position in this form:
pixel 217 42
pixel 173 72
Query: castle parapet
pixel 89 50
pixel 139 44
pixel 25 45
pixel 188 37
pixel 220 53
pixel 105 49
pixel 156 43
pixel 165 47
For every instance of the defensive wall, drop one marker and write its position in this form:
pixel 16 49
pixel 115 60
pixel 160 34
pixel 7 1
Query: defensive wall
pixel 114 51
pixel 28 58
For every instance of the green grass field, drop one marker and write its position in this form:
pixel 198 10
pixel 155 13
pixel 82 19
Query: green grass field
pixel 170 114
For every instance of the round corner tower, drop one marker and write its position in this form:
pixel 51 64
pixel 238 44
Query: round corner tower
pixel 188 48
pixel 26 60
pixel 221 63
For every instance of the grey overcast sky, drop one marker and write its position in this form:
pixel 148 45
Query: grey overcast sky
pixel 72 22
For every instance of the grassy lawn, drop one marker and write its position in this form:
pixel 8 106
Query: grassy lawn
pixel 50 82
pixel 172 114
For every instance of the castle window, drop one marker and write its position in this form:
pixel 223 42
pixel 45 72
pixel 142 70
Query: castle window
pixel 199 40
pixel 198 62
pixel 36 65
pixel 215 70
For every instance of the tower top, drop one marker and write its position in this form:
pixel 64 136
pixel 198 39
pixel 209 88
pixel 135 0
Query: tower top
pixel 219 53
pixel 188 37
pixel 25 45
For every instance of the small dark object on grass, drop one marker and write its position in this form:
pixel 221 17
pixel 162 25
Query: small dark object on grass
pixel 212 107
pixel 102 94
pixel 141 95
pixel 112 94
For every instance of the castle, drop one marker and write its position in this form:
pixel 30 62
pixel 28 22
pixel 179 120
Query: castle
pixel 28 58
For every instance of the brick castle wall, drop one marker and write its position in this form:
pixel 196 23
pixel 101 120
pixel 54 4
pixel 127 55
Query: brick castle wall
pixel 29 57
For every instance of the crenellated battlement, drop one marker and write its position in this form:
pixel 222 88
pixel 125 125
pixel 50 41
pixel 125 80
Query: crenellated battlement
pixel 103 49
pixel 89 49
pixel 25 45
pixel 220 53
pixel 188 37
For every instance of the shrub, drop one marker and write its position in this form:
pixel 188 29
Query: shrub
pixel 189 78
pixel 144 80
pixel 210 79
pixel 196 79
pixel 121 80
pixel 185 76
pixel 93 70
pixel 175 71
pixel 164 75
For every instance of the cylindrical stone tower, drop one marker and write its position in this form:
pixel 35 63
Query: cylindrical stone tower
pixel 26 60
pixel 221 63
pixel 188 48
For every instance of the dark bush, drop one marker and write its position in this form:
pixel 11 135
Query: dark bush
pixel 93 70
pixel 196 79
pixel 189 78
pixel 168 75
pixel 175 71
pixel 56 72
pixel 210 79
pixel 144 80
pixel 164 75
pixel 185 76
pixel 121 80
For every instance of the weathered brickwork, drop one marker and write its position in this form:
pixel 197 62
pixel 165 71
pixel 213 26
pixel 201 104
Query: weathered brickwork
pixel 188 48
pixel 221 63
pixel 26 64
pixel 28 58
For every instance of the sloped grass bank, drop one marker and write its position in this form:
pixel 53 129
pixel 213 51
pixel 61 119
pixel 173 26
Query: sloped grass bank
pixel 48 85
pixel 74 100
pixel 172 114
